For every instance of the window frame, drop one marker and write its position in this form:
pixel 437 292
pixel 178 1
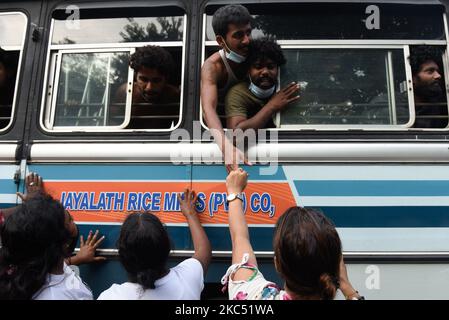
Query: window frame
pixel 49 92
pixel 20 48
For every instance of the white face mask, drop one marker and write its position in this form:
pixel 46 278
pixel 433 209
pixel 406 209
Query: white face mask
pixel 261 93
pixel 233 56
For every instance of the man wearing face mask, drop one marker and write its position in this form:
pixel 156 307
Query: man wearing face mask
pixel 430 102
pixel 232 27
pixel 251 104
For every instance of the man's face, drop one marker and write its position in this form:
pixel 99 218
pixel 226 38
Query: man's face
pixel 264 73
pixel 238 38
pixel 151 83
pixel 427 82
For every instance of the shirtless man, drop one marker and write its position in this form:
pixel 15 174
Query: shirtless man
pixel 223 69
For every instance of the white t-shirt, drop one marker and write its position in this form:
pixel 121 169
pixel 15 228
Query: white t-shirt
pixel 66 286
pixel 183 282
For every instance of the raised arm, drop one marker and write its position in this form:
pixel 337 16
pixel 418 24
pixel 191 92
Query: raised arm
pixel 238 228
pixel 201 244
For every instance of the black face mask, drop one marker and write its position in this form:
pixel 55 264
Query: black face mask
pixel 72 243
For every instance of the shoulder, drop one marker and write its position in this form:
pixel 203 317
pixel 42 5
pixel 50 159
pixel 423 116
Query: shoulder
pixel 173 90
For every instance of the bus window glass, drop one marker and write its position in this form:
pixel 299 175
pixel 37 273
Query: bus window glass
pixel 346 87
pixel 12 32
pixel 87 86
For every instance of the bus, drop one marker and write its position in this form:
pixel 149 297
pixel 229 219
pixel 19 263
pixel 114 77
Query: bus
pixel 351 147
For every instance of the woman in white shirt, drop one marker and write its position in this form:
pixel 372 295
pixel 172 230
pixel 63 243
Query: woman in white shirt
pixel 36 238
pixel 144 247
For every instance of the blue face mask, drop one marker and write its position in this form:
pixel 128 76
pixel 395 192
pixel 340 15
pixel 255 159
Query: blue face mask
pixel 261 93
pixel 233 56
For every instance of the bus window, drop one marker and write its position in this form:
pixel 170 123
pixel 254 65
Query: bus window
pixel 12 34
pixel 346 87
pixel 98 87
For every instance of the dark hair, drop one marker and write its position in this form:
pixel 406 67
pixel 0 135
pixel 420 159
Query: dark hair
pixel 143 248
pixel 308 252
pixel 33 243
pixel 421 54
pixel 153 57
pixel 230 14
pixel 264 48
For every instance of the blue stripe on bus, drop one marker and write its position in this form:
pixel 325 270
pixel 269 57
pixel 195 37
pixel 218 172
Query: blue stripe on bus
pixel 380 188
pixel 255 172
pixel 111 172
pixel 343 217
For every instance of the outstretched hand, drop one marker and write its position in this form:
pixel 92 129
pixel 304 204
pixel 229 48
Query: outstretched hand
pixel 88 249
pixel 188 203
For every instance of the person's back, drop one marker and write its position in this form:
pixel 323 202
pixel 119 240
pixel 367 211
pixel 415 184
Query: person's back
pixel 144 247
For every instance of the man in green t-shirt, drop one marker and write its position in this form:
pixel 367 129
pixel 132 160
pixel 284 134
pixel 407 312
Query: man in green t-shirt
pixel 251 104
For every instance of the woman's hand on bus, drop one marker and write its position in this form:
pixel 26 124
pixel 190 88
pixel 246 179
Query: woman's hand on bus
pixel 88 249
pixel 236 181
pixel 188 203
pixel 284 97
pixel 33 186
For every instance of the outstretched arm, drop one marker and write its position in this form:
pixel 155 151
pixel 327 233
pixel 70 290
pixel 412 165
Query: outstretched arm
pixel 33 187
pixel 201 244
pixel 236 183
pixel 345 286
